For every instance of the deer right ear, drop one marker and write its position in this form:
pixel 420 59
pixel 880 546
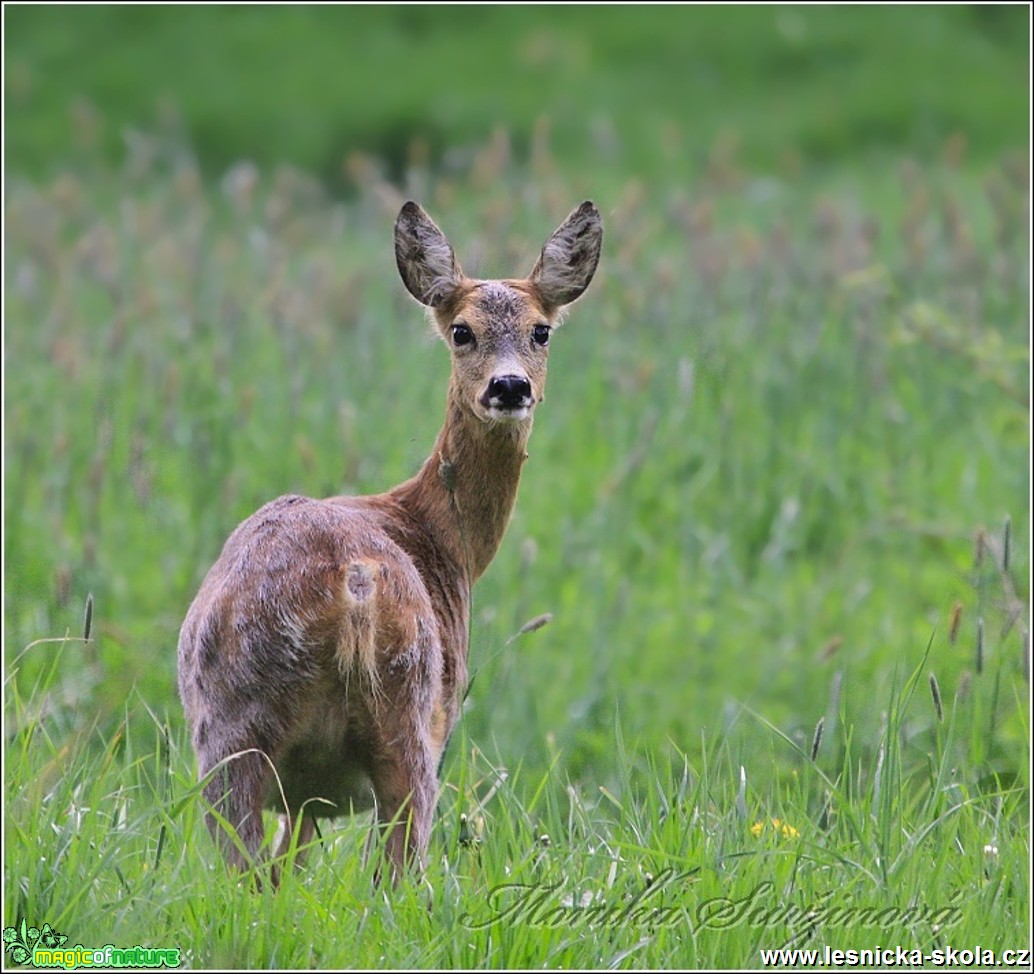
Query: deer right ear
pixel 425 258
pixel 568 260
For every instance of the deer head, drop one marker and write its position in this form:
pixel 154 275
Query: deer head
pixel 498 331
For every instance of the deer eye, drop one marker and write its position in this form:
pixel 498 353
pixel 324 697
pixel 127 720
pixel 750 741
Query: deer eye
pixel 461 335
pixel 540 334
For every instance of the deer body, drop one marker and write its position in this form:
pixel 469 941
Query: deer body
pixel 329 640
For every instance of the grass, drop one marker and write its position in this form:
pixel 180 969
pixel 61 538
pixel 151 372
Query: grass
pixel 777 510
pixel 693 867
pixel 810 441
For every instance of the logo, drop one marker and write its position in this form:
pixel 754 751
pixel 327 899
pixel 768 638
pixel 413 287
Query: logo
pixel 45 947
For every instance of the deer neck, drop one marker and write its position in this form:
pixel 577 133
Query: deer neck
pixel 465 491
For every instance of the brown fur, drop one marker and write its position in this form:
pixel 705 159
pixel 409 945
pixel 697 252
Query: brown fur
pixel 324 659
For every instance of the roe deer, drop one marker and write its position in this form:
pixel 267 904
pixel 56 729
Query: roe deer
pixel 329 640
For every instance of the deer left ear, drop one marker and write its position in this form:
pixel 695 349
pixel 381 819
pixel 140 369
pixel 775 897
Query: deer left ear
pixel 568 260
pixel 425 258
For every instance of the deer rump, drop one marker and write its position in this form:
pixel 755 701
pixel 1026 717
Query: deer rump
pixel 314 640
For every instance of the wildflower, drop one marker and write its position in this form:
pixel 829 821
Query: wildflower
pixel 780 827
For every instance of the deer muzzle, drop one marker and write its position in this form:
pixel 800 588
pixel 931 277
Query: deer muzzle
pixel 508 397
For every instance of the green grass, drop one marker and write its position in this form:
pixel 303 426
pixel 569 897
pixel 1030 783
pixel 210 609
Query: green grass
pixel 683 863
pixel 781 444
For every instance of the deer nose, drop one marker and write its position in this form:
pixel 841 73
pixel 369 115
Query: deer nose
pixel 508 392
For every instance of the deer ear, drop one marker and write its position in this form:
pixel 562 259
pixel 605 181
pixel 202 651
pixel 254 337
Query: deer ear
pixel 425 258
pixel 568 260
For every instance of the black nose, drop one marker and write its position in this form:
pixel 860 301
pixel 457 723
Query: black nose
pixel 509 391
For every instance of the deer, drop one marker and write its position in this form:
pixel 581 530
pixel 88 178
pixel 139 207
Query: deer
pixel 322 664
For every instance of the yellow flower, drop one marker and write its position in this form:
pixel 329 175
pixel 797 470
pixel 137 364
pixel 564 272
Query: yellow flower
pixel 784 828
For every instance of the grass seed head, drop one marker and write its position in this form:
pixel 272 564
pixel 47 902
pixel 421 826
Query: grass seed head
pixel 965 681
pixel 88 618
pixel 741 795
pixel 832 647
pixel 979 546
pixel 531 625
pixel 816 740
pixel 935 692
pixel 956 620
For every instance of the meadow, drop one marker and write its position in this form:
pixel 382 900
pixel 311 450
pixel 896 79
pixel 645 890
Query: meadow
pixel 772 542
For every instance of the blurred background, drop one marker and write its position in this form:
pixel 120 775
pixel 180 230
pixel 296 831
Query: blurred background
pixel 650 90
pixel 786 443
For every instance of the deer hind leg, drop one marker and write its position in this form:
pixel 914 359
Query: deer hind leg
pixel 404 772
pixel 406 787
pixel 235 792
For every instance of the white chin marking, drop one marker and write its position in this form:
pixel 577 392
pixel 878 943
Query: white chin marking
pixel 497 415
